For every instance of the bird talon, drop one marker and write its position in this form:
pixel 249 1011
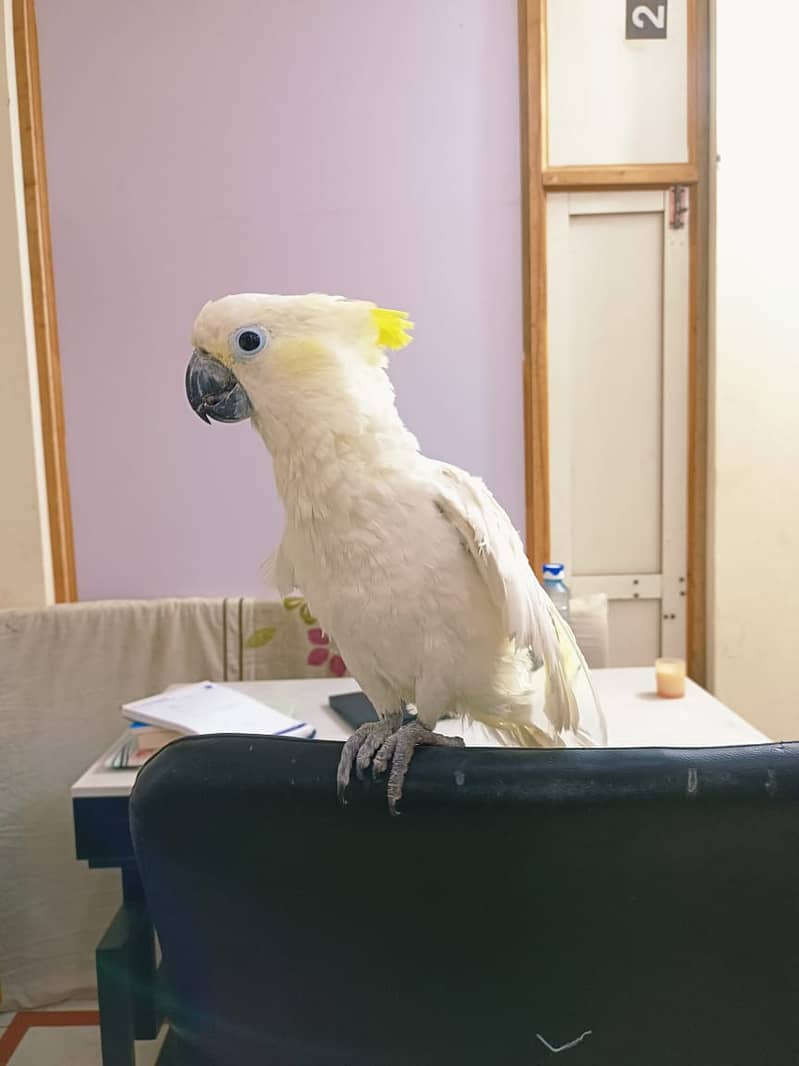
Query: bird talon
pixel 385 743
pixel 342 780
pixel 359 751
pixel 399 750
pixel 384 755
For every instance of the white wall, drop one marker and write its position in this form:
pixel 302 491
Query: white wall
pixel 755 535
pixel 26 578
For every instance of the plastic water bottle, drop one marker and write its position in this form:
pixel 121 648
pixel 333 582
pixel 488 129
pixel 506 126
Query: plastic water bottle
pixel 557 589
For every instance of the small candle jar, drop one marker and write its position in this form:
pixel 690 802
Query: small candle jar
pixel 670 678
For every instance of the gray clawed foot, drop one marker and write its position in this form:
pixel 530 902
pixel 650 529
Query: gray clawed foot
pixel 398 750
pixel 384 742
pixel 361 747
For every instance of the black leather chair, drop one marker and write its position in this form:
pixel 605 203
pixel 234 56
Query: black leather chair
pixel 592 908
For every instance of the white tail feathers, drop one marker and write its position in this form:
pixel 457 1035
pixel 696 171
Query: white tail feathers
pixel 561 703
pixel 519 734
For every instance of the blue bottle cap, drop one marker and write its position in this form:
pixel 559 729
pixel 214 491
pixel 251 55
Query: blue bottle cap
pixel 553 569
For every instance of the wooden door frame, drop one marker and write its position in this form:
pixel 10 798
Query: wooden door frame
pixel 26 59
pixel 538 178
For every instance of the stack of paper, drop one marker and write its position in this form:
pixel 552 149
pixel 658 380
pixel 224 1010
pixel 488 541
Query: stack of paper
pixel 139 744
pixel 210 708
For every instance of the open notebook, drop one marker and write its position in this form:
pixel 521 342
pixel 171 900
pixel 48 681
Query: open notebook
pixel 203 708
pixel 210 708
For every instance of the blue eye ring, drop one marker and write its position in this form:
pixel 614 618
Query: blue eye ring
pixel 248 341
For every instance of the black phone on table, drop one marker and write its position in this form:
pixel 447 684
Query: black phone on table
pixel 356 709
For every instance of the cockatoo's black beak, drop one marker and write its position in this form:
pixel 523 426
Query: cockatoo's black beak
pixel 214 391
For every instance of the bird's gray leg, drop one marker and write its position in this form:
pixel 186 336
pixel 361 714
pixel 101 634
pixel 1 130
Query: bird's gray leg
pixel 361 746
pixel 398 749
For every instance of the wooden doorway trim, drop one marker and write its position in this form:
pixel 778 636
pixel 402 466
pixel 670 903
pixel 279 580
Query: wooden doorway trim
pixel 26 54
pixel 699 46
pixel 533 110
pixel 538 179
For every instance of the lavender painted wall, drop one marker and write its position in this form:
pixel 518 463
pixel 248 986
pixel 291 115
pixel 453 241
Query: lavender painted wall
pixel 199 147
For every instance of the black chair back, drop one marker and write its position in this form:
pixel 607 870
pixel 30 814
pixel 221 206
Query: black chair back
pixel 593 908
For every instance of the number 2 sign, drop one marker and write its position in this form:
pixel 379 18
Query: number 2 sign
pixel 646 20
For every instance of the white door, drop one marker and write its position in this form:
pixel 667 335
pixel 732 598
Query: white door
pixel 617 326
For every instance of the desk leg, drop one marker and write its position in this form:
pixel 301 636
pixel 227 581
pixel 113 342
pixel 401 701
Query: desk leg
pixel 127 977
pixel 114 993
pixel 147 1017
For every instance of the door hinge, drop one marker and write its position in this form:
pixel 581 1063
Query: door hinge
pixel 678 206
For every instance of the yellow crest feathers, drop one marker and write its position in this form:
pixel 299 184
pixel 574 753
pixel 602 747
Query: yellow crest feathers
pixel 393 327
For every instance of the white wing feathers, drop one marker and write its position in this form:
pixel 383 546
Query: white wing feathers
pixel 528 614
pixel 278 570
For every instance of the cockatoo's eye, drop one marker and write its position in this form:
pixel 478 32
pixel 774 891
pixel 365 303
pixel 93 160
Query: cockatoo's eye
pixel 248 341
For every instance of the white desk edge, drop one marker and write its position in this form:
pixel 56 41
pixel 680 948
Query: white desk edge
pixel 635 716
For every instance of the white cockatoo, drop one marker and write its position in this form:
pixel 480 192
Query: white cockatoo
pixel 409 563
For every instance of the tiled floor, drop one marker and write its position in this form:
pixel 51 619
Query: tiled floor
pixel 66 1035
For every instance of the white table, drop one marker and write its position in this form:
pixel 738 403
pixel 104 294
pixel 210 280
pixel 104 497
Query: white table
pixel 636 717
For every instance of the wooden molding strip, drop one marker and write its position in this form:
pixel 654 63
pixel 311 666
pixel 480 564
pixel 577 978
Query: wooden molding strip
pixel 698 386
pixel 26 50
pixel 532 56
pixel 695 41
pixel 632 176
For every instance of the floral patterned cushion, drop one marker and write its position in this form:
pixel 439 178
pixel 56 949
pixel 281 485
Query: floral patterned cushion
pixel 284 640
